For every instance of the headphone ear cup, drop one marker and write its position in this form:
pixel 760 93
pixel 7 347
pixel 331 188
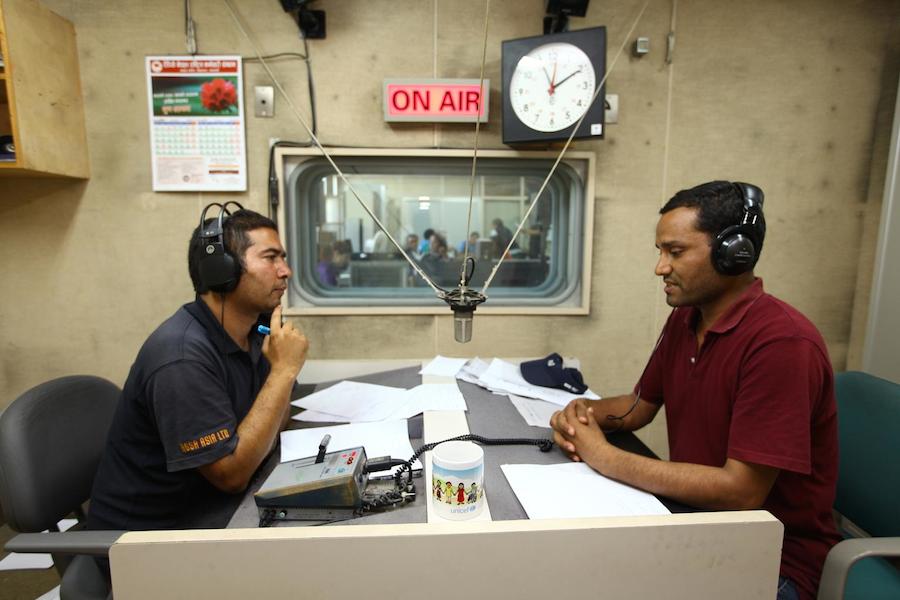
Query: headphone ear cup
pixel 733 251
pixel 219 270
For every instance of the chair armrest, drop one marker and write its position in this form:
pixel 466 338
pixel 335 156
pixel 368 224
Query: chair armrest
pixel 844 554
pixel 94 543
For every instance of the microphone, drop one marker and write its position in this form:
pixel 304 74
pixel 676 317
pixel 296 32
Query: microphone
pixel 463 301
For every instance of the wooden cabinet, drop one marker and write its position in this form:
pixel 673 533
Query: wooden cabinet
pixel 41 105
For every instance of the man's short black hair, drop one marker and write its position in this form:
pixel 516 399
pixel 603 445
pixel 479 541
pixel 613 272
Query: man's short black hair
pixel 237 241
pixel 719 205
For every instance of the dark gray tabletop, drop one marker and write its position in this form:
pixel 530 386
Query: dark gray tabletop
pixel 489 415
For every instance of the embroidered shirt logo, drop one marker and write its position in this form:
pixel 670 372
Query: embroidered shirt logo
pixel 205 441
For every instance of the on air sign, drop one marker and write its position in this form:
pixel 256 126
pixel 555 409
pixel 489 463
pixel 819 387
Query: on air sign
pixel 430 100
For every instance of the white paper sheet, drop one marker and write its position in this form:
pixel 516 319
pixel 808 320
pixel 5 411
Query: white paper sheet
pixel 505 376
pixel 315 416
pixel 355 401
pixel 536 413
pixel 51 595
pixel 431 396
pixel 385 438
pixel 15 561
pixel 573 490
pixel 472 370
pixel 443 366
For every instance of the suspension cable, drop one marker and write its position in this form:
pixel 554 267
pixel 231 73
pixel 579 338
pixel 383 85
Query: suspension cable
pixel 440 292
pixel 563 151
pixel 462 272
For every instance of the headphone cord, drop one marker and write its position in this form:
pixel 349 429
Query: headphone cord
pixel 637 397
pixel 224 342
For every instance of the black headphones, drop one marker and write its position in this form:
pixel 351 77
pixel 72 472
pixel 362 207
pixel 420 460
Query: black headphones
pixel 736 248
pixel 218 268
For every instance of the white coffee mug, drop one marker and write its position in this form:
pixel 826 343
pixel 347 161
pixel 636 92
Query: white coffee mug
pixel 457 480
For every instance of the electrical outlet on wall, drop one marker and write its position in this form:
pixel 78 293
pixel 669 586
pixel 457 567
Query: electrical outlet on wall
pixel 264 101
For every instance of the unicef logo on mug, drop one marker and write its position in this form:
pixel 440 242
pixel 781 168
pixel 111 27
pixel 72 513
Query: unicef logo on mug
pixel 457 480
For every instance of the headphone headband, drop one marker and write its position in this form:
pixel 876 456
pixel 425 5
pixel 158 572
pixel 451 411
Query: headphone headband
pixel 216 228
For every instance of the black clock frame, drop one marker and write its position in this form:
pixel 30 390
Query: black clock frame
pixel 591 41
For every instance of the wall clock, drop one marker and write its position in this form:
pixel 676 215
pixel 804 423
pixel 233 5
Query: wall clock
pixel 548 84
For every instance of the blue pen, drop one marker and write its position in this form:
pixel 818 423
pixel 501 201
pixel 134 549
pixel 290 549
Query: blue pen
pixel 263 329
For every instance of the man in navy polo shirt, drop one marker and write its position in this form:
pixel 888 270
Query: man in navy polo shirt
pixel 745 381
pixel 207 395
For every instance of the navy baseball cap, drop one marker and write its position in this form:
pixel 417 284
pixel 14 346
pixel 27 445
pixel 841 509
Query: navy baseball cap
pixel 549 372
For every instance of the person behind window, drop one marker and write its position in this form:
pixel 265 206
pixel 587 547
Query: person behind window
pixel 438 256
pixel 333 261
pixel 470 245
pixel 206 396
pixel 500 238
pixel 747 388
pixel 411 247
pixel 425 244
pixel 326 269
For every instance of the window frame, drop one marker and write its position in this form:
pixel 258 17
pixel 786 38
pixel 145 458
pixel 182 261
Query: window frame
pixel 287 159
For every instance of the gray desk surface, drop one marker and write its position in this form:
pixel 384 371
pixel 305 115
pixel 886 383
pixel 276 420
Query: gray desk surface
pixel 489 415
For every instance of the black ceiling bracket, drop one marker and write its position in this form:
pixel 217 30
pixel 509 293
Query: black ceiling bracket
pixel 310 22
pixel 558 13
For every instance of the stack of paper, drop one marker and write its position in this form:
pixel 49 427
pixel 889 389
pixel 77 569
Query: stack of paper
pixel 472 371
pixel 572 490
pixel 356 402
pixel 506 378
pixel 535 403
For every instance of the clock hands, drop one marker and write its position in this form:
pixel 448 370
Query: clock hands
pixel 565 79
pixel 552 80
pixel 547 75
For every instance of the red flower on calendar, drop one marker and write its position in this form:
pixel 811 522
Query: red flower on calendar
pixel 218 95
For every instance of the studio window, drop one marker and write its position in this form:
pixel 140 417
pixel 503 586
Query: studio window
pixel 342 259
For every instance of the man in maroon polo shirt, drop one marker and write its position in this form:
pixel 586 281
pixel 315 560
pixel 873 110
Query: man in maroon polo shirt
pixel 745 380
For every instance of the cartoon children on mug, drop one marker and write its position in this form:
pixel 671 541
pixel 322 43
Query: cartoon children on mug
pixel 437 489
pixel 444 492
pixel 473 494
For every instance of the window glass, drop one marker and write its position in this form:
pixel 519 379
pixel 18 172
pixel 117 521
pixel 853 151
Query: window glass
pixel 342 258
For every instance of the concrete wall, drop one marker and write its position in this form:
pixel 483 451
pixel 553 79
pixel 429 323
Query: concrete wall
pixel 789 95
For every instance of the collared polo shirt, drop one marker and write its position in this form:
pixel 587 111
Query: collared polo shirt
pixel 760 389
pixel 186 394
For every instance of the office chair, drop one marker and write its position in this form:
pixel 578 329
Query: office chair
pixel 51 440
pixel 868 490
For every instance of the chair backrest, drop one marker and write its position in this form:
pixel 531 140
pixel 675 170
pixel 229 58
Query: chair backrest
pixel 51 441
pixel 868 489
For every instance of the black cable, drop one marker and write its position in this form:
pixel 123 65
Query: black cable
pixel 273 57
pixel 544 444
pixel 267 517
pixel 637 396
pixel 309 83
pixel 376 465
pixel 273 179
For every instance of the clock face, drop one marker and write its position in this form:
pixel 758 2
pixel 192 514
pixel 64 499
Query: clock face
pixel 552 86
